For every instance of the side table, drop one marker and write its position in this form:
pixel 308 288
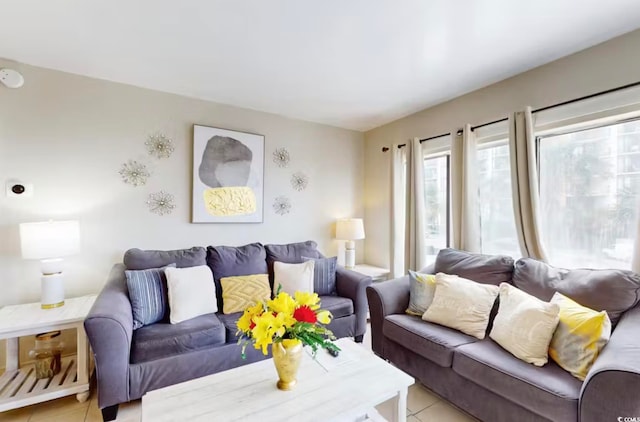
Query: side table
pixel 376 273
pixel 19 386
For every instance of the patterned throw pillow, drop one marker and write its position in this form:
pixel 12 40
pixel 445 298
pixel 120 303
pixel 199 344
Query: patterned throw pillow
pixel 240 292
pixel 580 336
pixel 524 325
pixel 422 287
pixel 462 304
pixel 148 295
pixel 324 275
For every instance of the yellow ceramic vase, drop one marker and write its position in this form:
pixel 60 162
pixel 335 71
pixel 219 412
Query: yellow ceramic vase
pixel 287 356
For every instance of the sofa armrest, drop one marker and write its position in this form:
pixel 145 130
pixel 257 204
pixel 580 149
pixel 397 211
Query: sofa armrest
pixel 109 327
pixel 353 285
pixel 386 298
pixel 611 389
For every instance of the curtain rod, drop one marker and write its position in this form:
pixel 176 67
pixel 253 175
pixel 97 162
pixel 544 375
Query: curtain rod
pixel 385 149
pixel 586 97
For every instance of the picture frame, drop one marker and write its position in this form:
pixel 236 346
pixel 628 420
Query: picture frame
pixel 228 176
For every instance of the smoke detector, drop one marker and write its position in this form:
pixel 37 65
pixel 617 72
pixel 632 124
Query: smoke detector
pixel 11 78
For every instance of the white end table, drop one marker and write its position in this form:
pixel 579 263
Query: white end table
pixel 376 273
pixel 19 386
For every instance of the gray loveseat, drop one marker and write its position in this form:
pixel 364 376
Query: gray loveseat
pixel 130 362
pixel 488 382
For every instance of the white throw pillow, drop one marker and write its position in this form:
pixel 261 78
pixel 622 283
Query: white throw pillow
pixel 293 277
pixel 192 292
pixel 462 304
pixel 524 325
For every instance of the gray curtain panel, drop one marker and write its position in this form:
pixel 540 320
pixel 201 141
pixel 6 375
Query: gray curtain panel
pixel 464 192
pixel 524 183
pixel 398 205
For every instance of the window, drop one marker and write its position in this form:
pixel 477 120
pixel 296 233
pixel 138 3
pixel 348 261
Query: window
pixel 437 194
pixel 589 192
pixel 497 221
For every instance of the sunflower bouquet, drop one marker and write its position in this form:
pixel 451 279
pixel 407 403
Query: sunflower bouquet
pixel 286 319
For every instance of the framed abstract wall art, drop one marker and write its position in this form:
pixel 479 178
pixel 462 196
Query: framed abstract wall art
pixel 228 176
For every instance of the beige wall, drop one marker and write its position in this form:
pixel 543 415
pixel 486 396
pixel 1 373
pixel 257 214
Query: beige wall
pixel 605 66
pixel 68 135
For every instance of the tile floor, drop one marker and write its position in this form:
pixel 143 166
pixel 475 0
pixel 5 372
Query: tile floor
pixel 422 406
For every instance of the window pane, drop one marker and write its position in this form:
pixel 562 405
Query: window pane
pixel 498 227
pixel 435 193
pixel 589 191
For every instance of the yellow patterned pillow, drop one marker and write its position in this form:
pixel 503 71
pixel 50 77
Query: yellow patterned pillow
pixel 240 292
pixel 581 334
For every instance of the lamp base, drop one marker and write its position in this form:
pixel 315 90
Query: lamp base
pixel 52 295
pixel 350 255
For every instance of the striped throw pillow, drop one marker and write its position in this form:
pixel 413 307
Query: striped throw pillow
pixel 324 275
pixel 148 295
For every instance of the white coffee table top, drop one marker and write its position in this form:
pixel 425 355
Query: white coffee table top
pixel 328 389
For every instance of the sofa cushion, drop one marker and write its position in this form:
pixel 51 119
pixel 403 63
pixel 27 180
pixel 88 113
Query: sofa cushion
pixel 228 261
pixel 138 259
pixel 487 269
pixel 338 306
pixel 160 340
pixel 614 291
pixel 230 325
pixel 548 391
pixel 431 341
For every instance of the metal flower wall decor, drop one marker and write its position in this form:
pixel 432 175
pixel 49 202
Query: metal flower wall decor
pixel 161 203
pixel 159 146
pixel 134 173
pixel 281 157
pixel 299 181
pixel 282 205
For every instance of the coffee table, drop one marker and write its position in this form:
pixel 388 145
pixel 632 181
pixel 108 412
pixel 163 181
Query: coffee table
pixel 345 388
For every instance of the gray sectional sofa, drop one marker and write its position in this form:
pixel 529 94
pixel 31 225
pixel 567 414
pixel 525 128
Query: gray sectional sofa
pixel 130 362
pixel 488 382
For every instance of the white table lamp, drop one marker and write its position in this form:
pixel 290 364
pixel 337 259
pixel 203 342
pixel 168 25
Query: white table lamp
pixel 350 229
pixel 48 242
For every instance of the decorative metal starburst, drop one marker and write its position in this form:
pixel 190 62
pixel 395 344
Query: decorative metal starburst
pixel 281 157
pixel 299 181
pixel 282 205
pixel 161 203
pixel 159 146
pixel 134 173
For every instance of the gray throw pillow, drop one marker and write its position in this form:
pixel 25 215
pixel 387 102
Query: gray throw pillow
pixel 148 295
pixel 324 275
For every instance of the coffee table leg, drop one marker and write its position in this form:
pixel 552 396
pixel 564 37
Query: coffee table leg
pixel 400 406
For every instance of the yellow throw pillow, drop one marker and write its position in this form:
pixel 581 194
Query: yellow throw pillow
pixel 580 336
pixel 422 287
pixel 240 292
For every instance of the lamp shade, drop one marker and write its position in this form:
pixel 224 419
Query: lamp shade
pixel 51 239
pixel 349 229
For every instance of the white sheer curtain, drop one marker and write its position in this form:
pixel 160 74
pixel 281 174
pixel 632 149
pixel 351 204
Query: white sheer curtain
pixel 415 245
pixel 398 207
pixel 524 184
pixel 464 190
